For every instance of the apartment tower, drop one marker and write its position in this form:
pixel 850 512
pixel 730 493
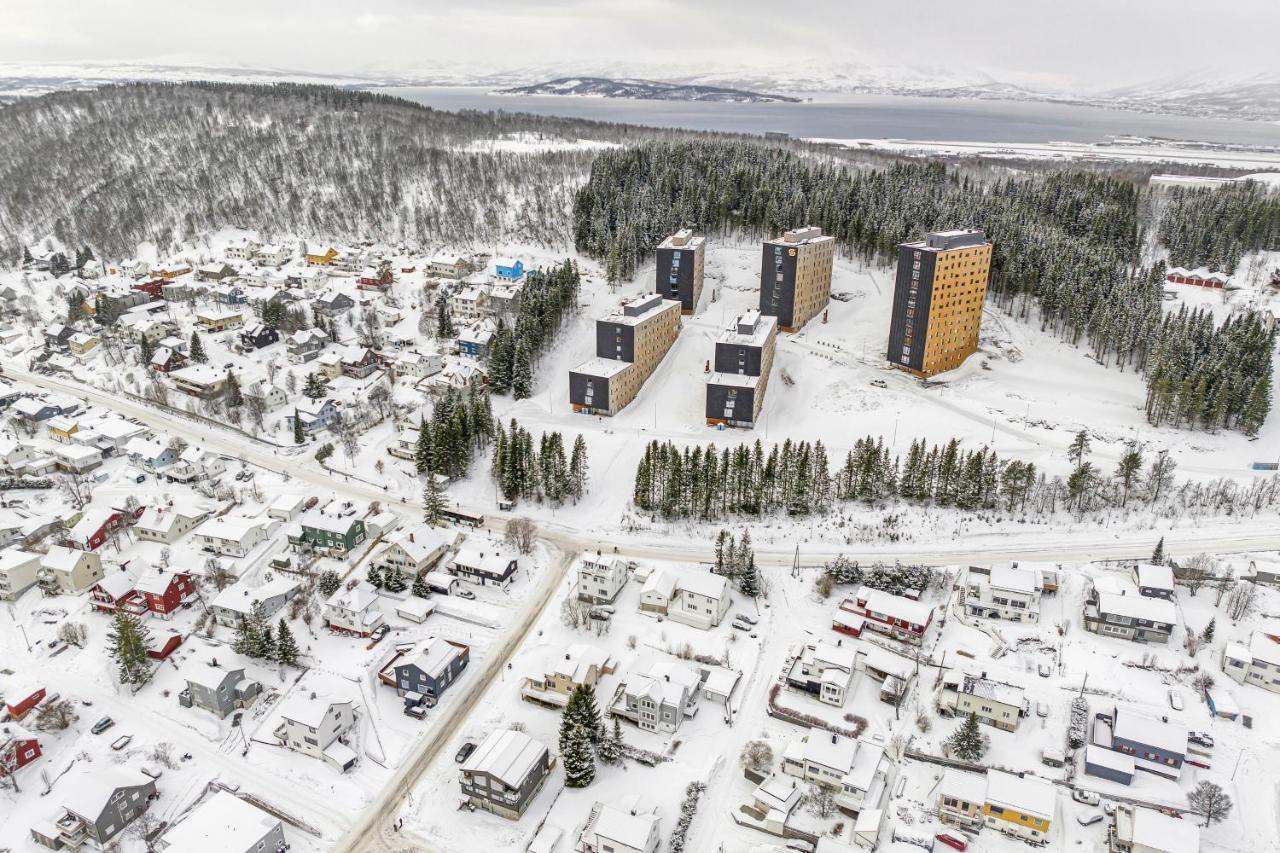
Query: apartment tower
pixel 937 301
pixel 630 343
pixel 744 357
pixel 679 273
pixel 795 276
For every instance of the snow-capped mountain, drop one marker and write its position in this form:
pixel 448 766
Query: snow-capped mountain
pixel 648 90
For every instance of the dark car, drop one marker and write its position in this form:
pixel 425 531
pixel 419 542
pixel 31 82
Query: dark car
pixel 1201 739
pixel 418 712
pixel 465 752
pixel 102 725
pixel 379 632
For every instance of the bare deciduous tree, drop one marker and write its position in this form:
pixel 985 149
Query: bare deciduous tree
pixel 521 533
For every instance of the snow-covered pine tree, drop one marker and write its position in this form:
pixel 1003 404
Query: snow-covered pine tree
pixel 286 645
pixel 967 742
pixel 578 758
pixel 374 576
pixel 127 645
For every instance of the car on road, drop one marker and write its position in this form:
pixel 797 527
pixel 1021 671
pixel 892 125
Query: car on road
pixel 102 725
pixel 1089 818
pixel 465 752
pixel 743 617
pixel 1089 798
pixel 952 840
pixel 1201 739
pixel 1175 700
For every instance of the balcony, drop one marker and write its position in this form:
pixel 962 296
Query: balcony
pixel 72 830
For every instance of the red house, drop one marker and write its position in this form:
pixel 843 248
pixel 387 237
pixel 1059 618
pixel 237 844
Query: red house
pixel 1197 278
pixel 163 644
pixel 892 615
pixel 164 592
pixel 19 699
pixel 153 288
pixel 165 360
pixel 18 748
pixel 116 592
pixel 375 278
pixel 96 525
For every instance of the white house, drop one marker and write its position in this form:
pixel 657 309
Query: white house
pixel 231 535
pixel 415 549
pixel 698 599
pixel 168 524
pixel 659 698
pixel 354 610
pixel 857 771
pixel 824 669
pixel 418 364
pixel 236 602
pixel 1003 592
pixel 317 726
pixel 626 826
pixel 287 507
pixel 600 578
pixel 18 573
pixel 1256 662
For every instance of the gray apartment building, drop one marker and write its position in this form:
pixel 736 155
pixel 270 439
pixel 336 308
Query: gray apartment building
pixel 743 361
pixel 505 773
pixel 630 344
pixel 679 270
pixel 795 276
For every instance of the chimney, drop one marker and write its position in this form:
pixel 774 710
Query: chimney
pixel 410 535
pixel 666 677
pixel 835 738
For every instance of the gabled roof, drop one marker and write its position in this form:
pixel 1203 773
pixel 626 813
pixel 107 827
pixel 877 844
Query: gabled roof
pixel 1138 607
pixel 308 709
pixel 508 756
pixel 896 606
pixel 1155 577
pixel 359 598
pixel 1166 733
pixel 87 793
pixel 156 581
pixel 432 656
pixel 229 527
pixel 1030 795
pixel 211 677
pixel 420 541
pixel 116 584
pixel 63 559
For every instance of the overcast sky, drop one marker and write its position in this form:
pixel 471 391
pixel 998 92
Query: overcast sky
pixel 1069 43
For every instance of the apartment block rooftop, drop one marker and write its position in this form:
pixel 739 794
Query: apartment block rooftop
pixel 799 236
pixel 637 309
pixel 945 241
pixel 601 368
pixel 750 329
pixel 682 239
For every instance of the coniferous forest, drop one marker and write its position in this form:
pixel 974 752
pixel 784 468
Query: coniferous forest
pixel 1066 249
pixel 548 297
pixel 1214 227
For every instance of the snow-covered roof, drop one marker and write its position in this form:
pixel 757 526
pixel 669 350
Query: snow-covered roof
pixel 963 785
pixel 1263 648
pixel 117 429
pixel 1155 577
pixel 201 673
pixel 505 262
pixel 1027 794
pixel 358 599
pixel 240 597
pixel 703 583
pixel 61 558
pixel 832 751
pixel 1015 578
pixel 1109 758
pixel 87 793
pixel 62 423
pixel 420 541
pixel 14 557
pixel 447 258
pixel 491 561
pixel 90 523
pixel 1160 832
pixel 432 656
pixel 508 756
pixel 199 374
pixel 879 601
pixel 116 584
pixel 1163 733
pixel 604 368
pixel 231 528
pixel 577 661
pixel 146 448
pixel 308 709
pixel 629 822
pixel 155 581
pixel 1138 607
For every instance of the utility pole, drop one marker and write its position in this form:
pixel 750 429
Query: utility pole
pixel 795 563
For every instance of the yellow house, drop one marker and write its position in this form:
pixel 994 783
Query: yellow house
pixel 81 344
pixel 580 664
pixel 1019 805
pixel 321 256
pixel 61 429
pixel 217 320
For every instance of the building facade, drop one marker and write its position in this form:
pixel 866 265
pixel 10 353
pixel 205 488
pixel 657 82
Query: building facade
pixel 937 302
pixel 630 344
pixel 679 269
pixel 743 360
pixel 795 276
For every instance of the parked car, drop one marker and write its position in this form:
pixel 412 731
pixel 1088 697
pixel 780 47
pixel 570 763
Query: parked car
pixel 1045 670
pixel 952 840
pixel 379 632
pixel 466 593
pixel 1201 739
pixel 750 620
pixel 880 383
pixel 102 725
pixel 1175 700
pixel 465 752
pixel 1042 710
pixel 1195 762
pixel 1089 819
pixel 418 712
pixel 1089 798
pixel 121 742
pixel 1109 807
pixel 741 626
pixel 152 771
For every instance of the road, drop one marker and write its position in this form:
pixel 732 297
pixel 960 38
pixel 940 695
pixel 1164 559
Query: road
pixel 371 829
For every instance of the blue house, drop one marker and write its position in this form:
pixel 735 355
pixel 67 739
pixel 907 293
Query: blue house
pixel 315 415
pixel 151 455
pixel 509 268
pixel 1156 744
pixel 427 670
pixel 232 295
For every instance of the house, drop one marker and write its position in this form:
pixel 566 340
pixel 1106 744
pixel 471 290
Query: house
pixel 116 592
pixel 1020 805
pixel 196 463
pixel 414 550
pixel 627 826
pixel 415 610
pixel 1156 744
pixel 163 592
pixel 318 726
pixel 418 365
pixel 447 265
pixel 1200 277
pixel 505 773
pixel 165 360
pixel 62 428
pixel 236 602
pixel 1117 610
pixel 1135 829
pixel 333 303
pixel 68 570
pixel 244 249
pixel 259 335
pixel 162 643
pixel 358 362
pixel 457 375
pixel 469 304
pixel 215 272
pixel 274 255
pixel 113 303
pixel 199 380
pixel 376 277
pixel 219 319
pixel 110 435
pixel 81 344
pixel 57 336
pixel 1108 764
pixel 14 455
pixel 97 525
pixel 427 669
pixel 961 796
pixel 329 364
pixel 77 459
pixel 18 748
pixel 12 527
pixel 20 697
pixel 1154 581
pixel 773 801
pixel 355 610
pixel 287 507
pixel 508 268
pixel 218 690
pixel 994 703
pixel 659 698
pixel 227 823
pixel 1003 592
pixel 35 411
pixel 269 397
pixel 600 578
pixel 231 535
pixel 98 804
pixel 856 771
pixel 695 598
pixel 1256 662
pixel 824 670
pixel 18 573
pixel 893 616
pixel 474 340
pixel 581 664
pixel 320 255
pixel 490 567
pixel 314 415
pixel 305 344
pixel 171 269
pixel 330 534
pixel 134 268
pixel 151 455
pixel 504 301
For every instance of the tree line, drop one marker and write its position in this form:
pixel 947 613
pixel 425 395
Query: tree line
pixel 1215 227
pixel 548 297
pixel 522 471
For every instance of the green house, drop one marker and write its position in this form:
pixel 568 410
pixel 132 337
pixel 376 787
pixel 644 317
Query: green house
pixel 332 535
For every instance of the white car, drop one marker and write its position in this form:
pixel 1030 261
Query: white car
pixel 1089 798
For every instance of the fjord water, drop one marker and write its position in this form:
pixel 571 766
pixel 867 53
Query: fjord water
pixel 838 116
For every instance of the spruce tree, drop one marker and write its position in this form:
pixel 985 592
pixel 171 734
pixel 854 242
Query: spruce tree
pixel 521 373
pixel 286 645
pixel 1157 556
pixel 579 762
pixel 586 714
pixel 578 469
pixel 329 582
pixel 298 437
pixel 197 349
pixel 749 578
pixel 268 648
pixel 444 323
pixel 315 387
pixel 127 642
pixel 420 587
pixel 433 503
pixel 612 747
pixel 1206 635
pixel 967 742
pixel 246 642
pixel 374 576
pixel 394 581
pixel 422 452
pixel 232 396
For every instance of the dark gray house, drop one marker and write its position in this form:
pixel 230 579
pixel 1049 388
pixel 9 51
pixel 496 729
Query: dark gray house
pixel 505 773
pixel 97 804
pixel 427 670
pixel 1126 615
pixel 217 690
pixel 259 335
pixel 1154 581
pixel 57 335
pixel 332 304
pixel 1155 744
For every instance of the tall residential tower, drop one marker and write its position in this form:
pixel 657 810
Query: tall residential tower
pixel 630 343
pixel 937 301
pixel 795 276
pixel 679 273
pixel 744 357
